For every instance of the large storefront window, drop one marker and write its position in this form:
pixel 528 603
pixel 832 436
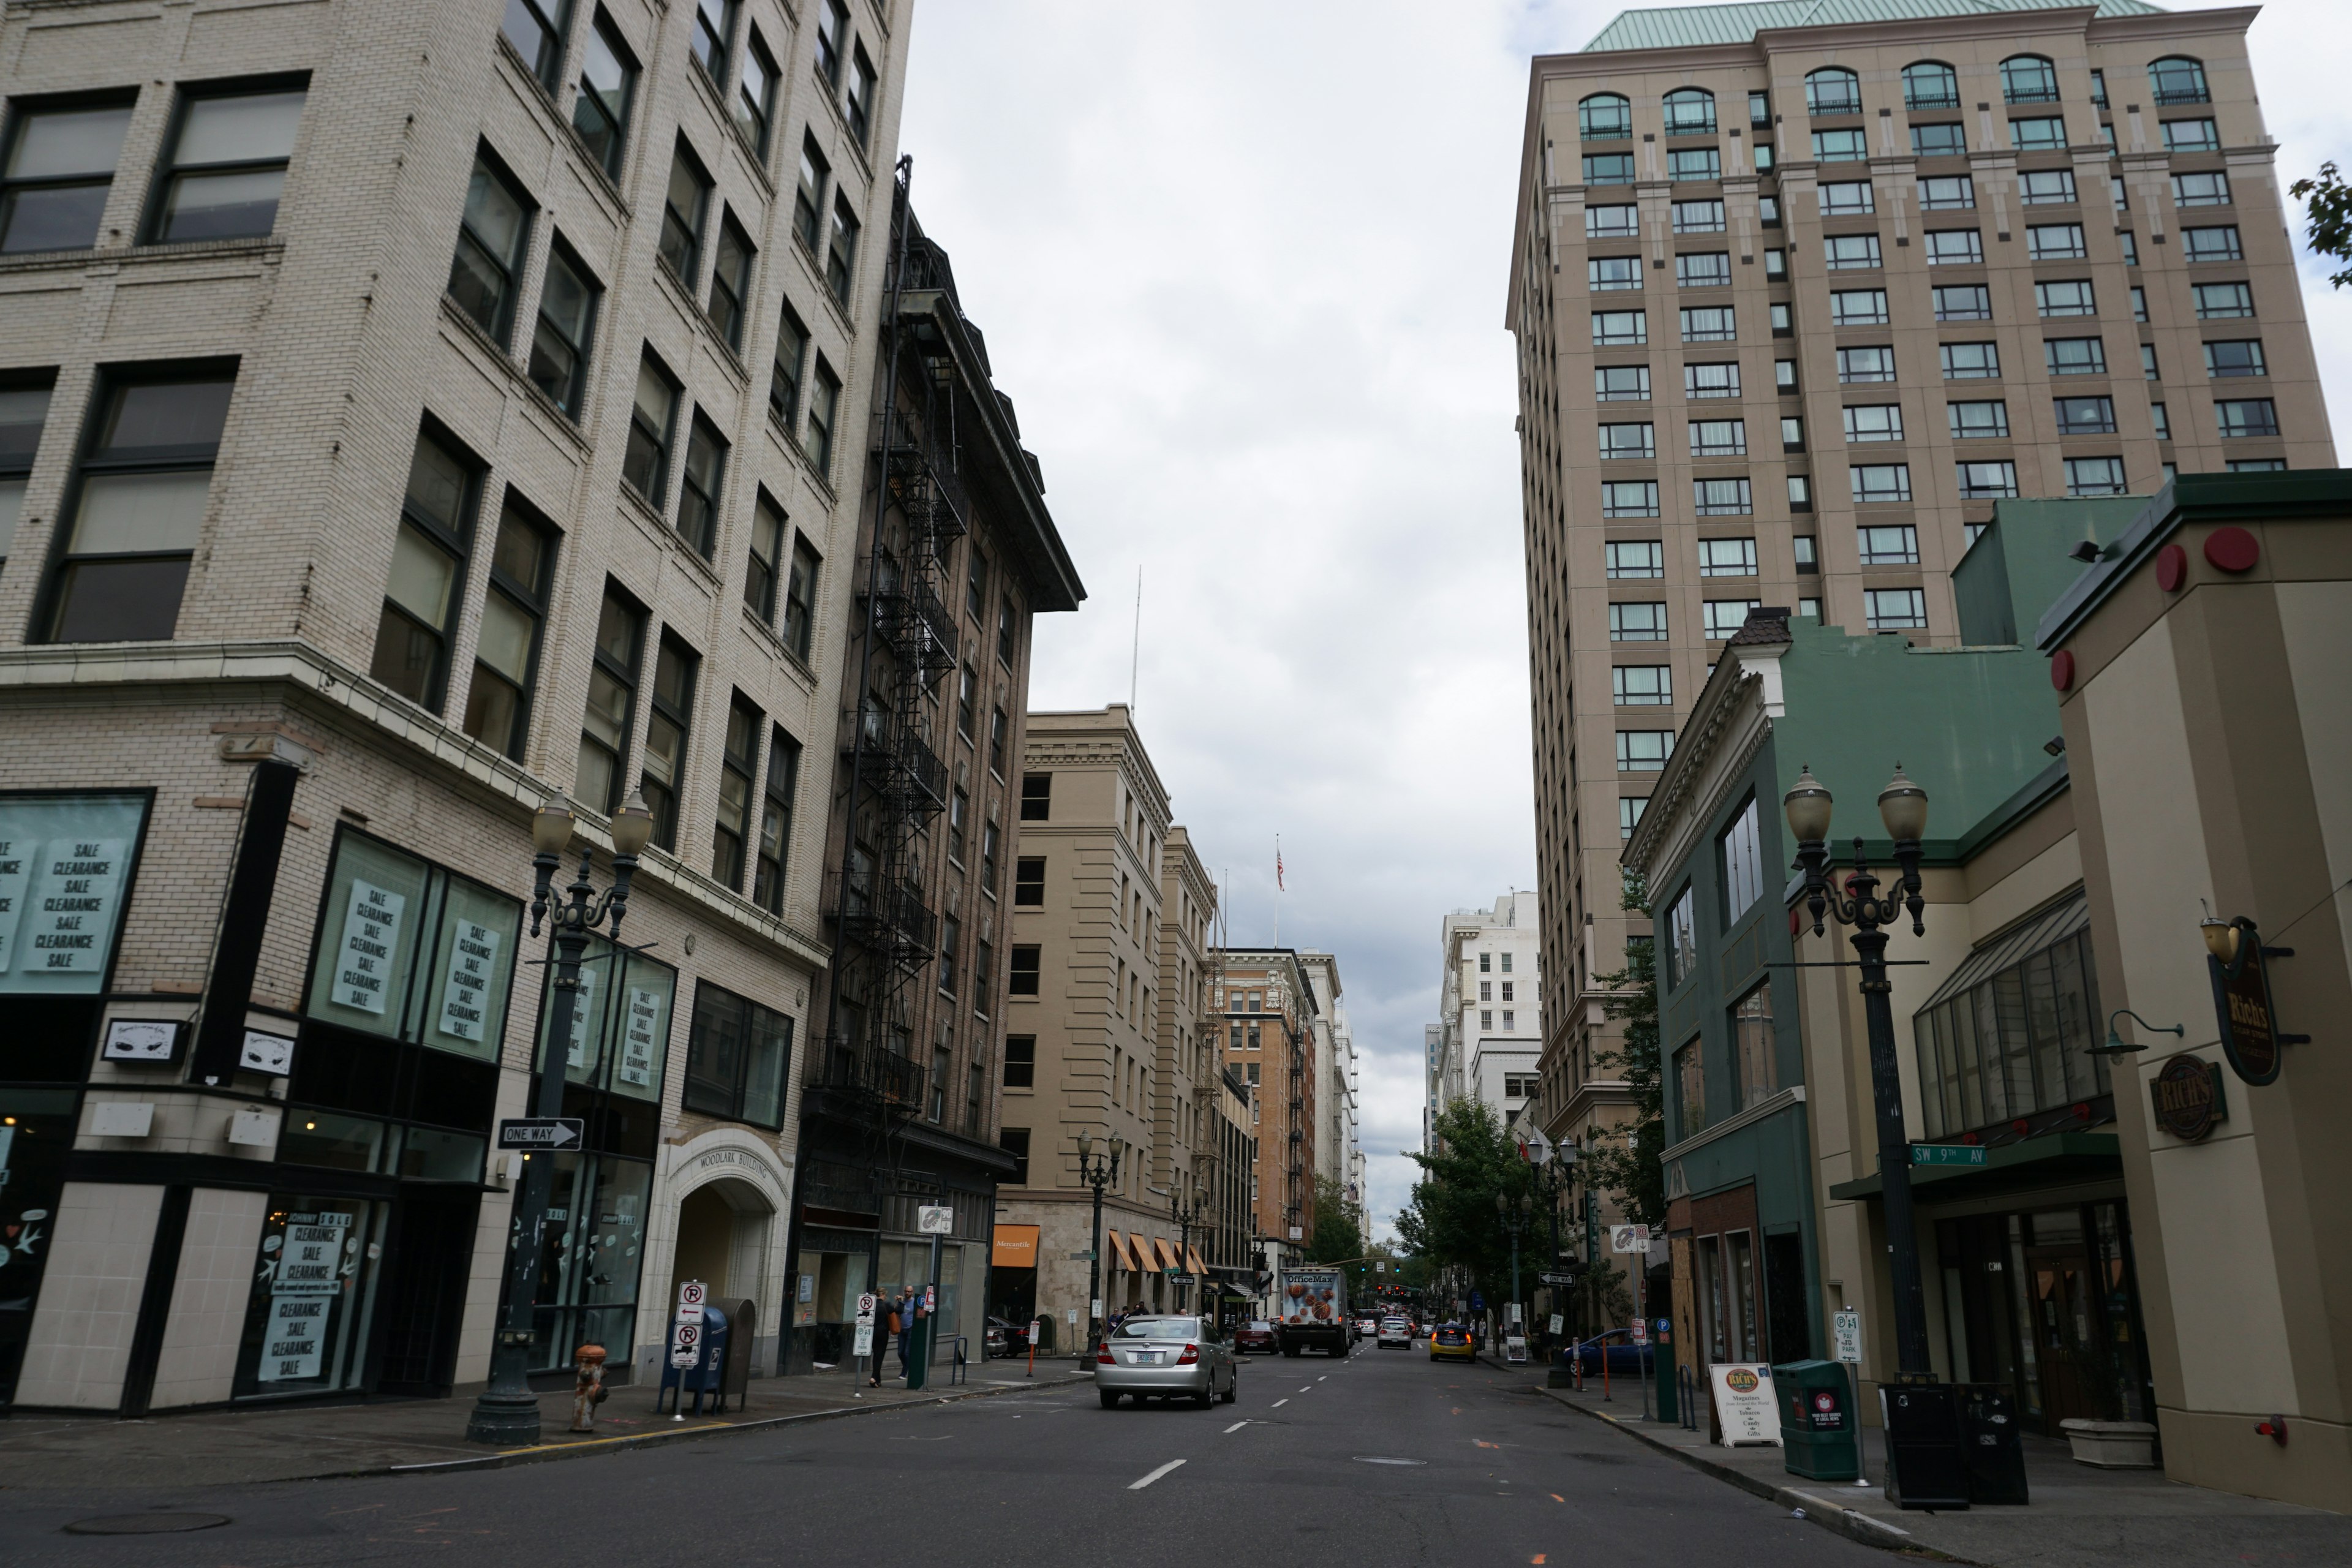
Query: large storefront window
pixel 37 1131
pixel 386 917
pixel 307 1319
pixel 2043 1301
pixel 2010 1034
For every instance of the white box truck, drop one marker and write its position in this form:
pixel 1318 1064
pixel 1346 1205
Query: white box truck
pixel 1311 1311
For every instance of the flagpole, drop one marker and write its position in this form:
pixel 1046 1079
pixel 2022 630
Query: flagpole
pixel 1278 889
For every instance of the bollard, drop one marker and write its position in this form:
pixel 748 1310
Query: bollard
pixel 588 1390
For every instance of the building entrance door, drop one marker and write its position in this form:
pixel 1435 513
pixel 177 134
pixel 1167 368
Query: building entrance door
pixel 424 1292
pixel 2060 1285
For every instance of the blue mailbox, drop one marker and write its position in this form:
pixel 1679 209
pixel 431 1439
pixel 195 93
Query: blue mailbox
pixel 706 1375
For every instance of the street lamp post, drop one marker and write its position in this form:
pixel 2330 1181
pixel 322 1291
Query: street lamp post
pixel 1514 1220
pixel 1856 903
pixel 1096 1172
pixel 1184 1214
pixel 507 1411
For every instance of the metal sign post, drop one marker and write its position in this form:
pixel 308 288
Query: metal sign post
pixel 1845 1330
pixel 863 1348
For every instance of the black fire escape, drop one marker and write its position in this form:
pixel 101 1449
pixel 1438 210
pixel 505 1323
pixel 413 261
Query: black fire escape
pixel 1295 1194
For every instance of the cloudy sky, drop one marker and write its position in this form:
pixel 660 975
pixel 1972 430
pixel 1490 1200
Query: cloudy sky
pixel 1242 269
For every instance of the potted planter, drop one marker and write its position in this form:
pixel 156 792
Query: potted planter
pixel 2112 1445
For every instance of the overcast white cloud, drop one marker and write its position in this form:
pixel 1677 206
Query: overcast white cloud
pixel 1242 269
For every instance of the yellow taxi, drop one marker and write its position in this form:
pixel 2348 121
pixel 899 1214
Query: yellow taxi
pixel 1451 1340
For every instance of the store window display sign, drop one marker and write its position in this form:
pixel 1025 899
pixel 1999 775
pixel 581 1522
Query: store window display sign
pixel 408 951
pixel 620 1023
pixel 66 864
pixel 313 1295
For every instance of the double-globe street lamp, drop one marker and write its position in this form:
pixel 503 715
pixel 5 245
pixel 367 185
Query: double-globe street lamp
pixel 1186 1214
pixel 1096 1172
pixel 1515 1216
pixel 506 1412
pixel 1926 1432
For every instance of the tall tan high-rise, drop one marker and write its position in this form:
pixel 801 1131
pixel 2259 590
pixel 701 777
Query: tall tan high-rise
pixel 1795 303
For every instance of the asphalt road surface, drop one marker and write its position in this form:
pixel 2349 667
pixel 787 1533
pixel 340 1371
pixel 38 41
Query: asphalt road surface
pixel 1384 1458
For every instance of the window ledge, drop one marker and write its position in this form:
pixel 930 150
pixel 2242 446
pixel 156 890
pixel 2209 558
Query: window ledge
pixel 517 380
pixel 268 246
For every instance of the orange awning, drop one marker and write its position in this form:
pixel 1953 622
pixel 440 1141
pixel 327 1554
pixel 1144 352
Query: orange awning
pixel 1114 1249
pixel 1016 1247
pixel 1134 1255
pixel 1192 1261
pixel 1163 1253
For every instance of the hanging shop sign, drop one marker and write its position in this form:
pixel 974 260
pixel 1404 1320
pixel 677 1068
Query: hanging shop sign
pixel 65 865
pixel 144 1042
pixel 2241 1005
pixel 2186 1094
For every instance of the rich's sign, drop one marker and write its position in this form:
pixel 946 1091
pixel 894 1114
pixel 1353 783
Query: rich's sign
pixel 2186 1093
pixel 2241 1004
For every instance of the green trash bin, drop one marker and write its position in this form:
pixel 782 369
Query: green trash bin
pixel 1819 1439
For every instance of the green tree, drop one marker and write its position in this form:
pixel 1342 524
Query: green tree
pixel 2327 209
pixel 1339 1225
pixel 1631 1168
pixel 1452 1221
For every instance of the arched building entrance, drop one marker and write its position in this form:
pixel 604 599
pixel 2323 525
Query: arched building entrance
pixel 727 1238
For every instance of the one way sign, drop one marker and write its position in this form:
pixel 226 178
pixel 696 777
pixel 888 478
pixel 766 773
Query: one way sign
pixel 541 1132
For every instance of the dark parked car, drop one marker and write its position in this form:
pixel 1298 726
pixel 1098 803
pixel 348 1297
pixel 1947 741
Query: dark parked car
pixel 1007 1339
pixel 1258 1334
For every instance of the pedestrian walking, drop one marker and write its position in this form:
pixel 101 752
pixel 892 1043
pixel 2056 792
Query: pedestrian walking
pixel 907 1312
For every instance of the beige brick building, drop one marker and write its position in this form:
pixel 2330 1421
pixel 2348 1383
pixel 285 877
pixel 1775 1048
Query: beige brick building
pixel 329 557
pixel 1794 303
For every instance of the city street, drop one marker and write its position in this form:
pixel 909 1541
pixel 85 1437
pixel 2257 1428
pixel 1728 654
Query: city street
pixel 1384 1458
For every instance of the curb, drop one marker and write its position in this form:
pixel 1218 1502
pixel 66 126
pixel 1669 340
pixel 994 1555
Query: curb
pixel 597 1446
pixel 1828 1513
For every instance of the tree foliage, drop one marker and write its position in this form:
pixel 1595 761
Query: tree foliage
pixel 2327 207
pixel 1452 1221
pixel 1339 1225
pixel 1632 1167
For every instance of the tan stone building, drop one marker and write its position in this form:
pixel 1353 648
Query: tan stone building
pixel 407 412
pixel 1269 1019
pixel 1794 304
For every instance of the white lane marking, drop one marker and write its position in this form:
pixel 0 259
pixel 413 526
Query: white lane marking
pixel 1236 1427
pixel 1324 1378
pixel 1139 1486
pixel 1308 1389
pixel 1279 1403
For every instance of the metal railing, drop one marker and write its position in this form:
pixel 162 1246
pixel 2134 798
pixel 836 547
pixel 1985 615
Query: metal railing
pixel 870 1070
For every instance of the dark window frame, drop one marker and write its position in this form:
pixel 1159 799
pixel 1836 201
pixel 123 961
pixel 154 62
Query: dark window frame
pixel 22 112
pixel 169 170
pixel 575 386
pixel 457 543
pixel 532 599
pixel 679 247
pixel 610 123
pixel 1031 974
pixel 507 272
pixel 1025 883
pixel 664 799
pixel 730 848
pixel 1038 790
pixel 726 1094
pixel 727 307
pixel 771 857
pixel 548 69
pixel 628 676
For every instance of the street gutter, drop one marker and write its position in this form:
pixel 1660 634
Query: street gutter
pixel 1815 1508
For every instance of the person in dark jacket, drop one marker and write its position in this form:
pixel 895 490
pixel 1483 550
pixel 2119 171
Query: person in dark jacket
pixel 908 1309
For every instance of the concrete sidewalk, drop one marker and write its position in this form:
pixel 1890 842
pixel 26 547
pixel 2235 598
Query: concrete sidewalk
pixel 2080 1517
pixel 213 1447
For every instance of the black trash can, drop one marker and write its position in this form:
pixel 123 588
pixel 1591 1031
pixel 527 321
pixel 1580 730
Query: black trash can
pixel 1925 1464
pixel 1994 1445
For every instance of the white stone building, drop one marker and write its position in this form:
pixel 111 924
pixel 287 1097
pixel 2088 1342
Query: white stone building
pixel 1489 1033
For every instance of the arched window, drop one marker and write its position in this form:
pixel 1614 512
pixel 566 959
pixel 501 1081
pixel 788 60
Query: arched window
pixel 2178 80
pixel 1690 111
pixel 2029 78
pixel 1605 117
pixel 1930 84
pixel 1833 91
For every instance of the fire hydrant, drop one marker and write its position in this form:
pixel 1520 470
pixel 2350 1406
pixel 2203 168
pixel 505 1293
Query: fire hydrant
pixel 589 1391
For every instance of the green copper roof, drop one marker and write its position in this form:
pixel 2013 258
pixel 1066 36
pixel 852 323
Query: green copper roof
pixel 1679 26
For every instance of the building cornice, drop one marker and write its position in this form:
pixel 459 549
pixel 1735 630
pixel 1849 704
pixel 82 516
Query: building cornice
pixel 1762 1111
pixel 1743 672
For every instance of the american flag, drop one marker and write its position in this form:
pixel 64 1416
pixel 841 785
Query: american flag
pixel 1277 865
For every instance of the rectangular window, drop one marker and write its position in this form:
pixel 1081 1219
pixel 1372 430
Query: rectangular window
pixel 1812 608
pixel 1629 813
pixel 2117 194
pixel 1037 797
pixel 612 703
pixel 2209 189
pixel 776 821
pixel 699 479
pixel 731 283
pixel 1614 221
pixel 58 171
pixel 808 196
pixel 2222 301
pixel 1621 383
pixel 1708 324
pixel 1711 380
pixel 1792 434
pixel 2139 304
pixel 2045 187
pixel 968 704
pixel 1784 322
pixel 485 273
pixel 1768 211
pixel 414 628
pixel 608 79
pixel 2241 357
pixel 1895 545
pixel 1719 438
pixel 684 200
pixel 1807 550
pixel 1858 308
pixel 1697 218
pixel 1634 557
pixel 841 251
pixel 1029 882
pixel 2130 244
pixel 999 728
pixel 1776 269
pixel 1753 1054
pixel 1801 492
pixel 1874 422
pixel 1987 481
pixel 1627 441
pixel 664 774
pixel 739 765
pixel 1948 193
pixel 1839 146
pixel 759 577
pixel 2191 136
pixel 2094 476
pixel 831 35
pixel 824 400
pixel 1978 421
pixel 1740 858
pixel 1608 168
pixel 226 166
pixel 2086 416
pixel 1695 163
pixel 959 823
pixel 787 369
pixel 1938 141
pixel 1865 364
pixel 2074 356
pixel 1847 252
pixel 1895 609
pixel 1604 274
pixel 23 412
pixel 568 299
pixel 2072 298
pixel 800 598
pixel 1682 937
pixel 738 1056
pixel 2055 242
pixel 1971 362
pixel 506 650
pixel 1014 1141
pixel 1704 269
pixel 1721 497
pixel 1847 198
pixel 2248 465
pixel 1724 617
pixel 1629 498
pixel 1025 977
pixel 857 102
pixel 1726 558
pixel 2161 419
pixel 1690 1092
pixel 1637 623
pixel 2040 134
pixel 1642 686
pixel 1619 328
pixel 755 95
pixel 2213 244
pixel 535 28
pixel 983 975
pixel 1644 751
pixel 2243 416
pixel 714 28
pixel 138 506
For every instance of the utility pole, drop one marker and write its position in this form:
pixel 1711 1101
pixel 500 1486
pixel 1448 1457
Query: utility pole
pixel 1096 1173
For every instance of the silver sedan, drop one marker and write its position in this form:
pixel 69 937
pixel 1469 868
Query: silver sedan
pixel 1167 1358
